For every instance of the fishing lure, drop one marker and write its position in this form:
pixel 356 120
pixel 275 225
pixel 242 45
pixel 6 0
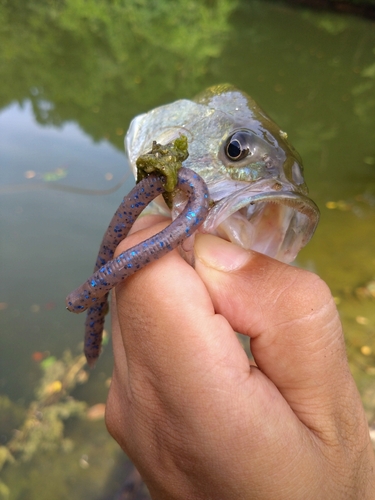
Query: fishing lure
pixel 109 272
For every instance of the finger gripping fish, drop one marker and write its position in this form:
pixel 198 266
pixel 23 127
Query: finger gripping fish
pixel 242 181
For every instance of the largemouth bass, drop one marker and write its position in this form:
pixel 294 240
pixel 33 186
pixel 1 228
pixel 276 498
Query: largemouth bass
pixel 255 179
pixel 242 181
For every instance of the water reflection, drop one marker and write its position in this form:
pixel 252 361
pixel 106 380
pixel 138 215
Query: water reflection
pixel 37 224
pixel 98 63
pixel 73 76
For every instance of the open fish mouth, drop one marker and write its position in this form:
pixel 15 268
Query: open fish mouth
pixel 277 224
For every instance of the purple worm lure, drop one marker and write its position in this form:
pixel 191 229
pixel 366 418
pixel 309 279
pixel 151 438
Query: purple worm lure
pixel 108 272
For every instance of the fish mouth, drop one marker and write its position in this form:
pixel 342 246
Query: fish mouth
pixel 277 224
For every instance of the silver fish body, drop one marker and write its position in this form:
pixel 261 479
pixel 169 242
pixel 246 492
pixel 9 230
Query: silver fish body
pixel 254 176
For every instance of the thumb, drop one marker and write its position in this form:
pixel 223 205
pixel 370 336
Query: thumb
pixel 291 318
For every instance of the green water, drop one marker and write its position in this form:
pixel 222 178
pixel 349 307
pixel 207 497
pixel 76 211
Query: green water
pixel 73 74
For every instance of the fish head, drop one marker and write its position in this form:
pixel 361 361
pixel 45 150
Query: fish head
pixel 250 146
pixel 254 175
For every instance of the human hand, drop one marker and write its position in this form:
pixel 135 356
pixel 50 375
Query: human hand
pixel 196 419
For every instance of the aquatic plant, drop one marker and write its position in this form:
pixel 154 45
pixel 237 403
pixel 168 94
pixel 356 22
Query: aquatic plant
pixel 42 428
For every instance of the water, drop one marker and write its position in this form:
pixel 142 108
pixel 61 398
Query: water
pixel 70 86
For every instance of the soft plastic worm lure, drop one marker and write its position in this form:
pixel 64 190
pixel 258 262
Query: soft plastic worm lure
pixel 108 272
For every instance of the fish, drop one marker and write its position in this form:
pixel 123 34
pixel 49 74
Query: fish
pixel 239 178
pixel 255 178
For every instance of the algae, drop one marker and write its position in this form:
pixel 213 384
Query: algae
pixel 165 160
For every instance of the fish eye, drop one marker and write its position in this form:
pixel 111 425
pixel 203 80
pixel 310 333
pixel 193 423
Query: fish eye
pixel 237 146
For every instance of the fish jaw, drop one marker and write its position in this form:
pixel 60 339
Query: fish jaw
pixel 276 223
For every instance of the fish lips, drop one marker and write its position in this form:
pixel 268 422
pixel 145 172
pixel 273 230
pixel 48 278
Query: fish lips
pixel 275 223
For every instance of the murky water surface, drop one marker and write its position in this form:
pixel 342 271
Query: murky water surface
pixel 72 79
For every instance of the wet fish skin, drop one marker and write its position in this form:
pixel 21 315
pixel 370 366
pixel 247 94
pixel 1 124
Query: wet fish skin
pixel 208 121
pixel 220 120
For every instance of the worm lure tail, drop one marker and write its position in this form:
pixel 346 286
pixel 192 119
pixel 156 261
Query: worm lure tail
pixel 93 294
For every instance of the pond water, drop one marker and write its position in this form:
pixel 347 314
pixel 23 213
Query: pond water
pixel 73 76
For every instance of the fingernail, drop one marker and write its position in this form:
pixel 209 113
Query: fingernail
pixel 219 254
